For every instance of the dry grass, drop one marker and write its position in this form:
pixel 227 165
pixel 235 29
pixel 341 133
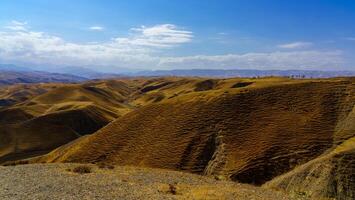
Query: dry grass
pixel 46 116
pixel 103 165
pixel 246 130
pixel 250 134
pixel 330 176
pixel 129 183
pixel 81 169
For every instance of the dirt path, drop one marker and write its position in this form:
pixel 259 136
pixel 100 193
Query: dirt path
pixel 57 181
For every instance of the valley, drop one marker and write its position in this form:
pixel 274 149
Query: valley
pixel 275 133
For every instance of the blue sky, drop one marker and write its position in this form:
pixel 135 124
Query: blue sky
pixel 177 34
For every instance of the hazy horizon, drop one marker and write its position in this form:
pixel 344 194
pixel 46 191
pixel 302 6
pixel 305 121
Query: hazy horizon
pixel 106 36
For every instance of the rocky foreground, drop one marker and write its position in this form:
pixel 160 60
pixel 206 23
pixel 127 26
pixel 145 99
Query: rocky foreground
pixel 75 181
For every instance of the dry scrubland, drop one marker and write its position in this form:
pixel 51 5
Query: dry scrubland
pixel 38 118
pixel 295 136
pixel 58 181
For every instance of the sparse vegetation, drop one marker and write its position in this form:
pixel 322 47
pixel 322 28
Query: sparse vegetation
pixel 82 169
pixel 205 85
pixel 52 182
pixel 270 126
pixel 172 189
pixel 241 84
pixel 103 165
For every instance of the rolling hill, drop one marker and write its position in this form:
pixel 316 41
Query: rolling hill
pixel 35 119
pixel 246 130
pixel 274 132
pixel 331 175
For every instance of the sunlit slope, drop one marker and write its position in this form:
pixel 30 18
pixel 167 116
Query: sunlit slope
pixel 58 115
pixel 330 176
pixel 11 95
pixel 49 131
pixel 70 97
pixel 246 130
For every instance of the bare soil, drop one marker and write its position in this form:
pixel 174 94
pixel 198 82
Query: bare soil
pixel 59 181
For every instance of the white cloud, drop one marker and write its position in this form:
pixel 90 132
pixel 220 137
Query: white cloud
pixel 134 51
pixel 141 50
pixel 161 36
pixel 17 26
pixel 96 28
pixel 295 45
pixel 273 60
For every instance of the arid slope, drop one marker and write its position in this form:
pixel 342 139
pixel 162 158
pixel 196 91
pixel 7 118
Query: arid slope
pixel 247 130
pixel 331 175
pixel 35 119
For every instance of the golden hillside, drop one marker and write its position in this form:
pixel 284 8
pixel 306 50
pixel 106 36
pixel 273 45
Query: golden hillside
pixel 38 118
pixel 331 175
pixel 271 131
pixel 247 130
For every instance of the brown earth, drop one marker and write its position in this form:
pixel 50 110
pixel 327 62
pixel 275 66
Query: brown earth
pixel 60 181
pixel 38 118
pixel 245 130
pixel 331 175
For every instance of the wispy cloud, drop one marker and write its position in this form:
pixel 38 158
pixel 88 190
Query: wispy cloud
pixel 17 26
pixel 141 49
pixel 96 28
pixel 295 45
pixel 42 48
pixel 350 38
pixel 272 60
pixel 163 36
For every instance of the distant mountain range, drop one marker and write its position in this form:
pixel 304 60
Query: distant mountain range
pixel 12 77
pixel 84 72
pixel 246 73
pixel 17 74
pixel 215 73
